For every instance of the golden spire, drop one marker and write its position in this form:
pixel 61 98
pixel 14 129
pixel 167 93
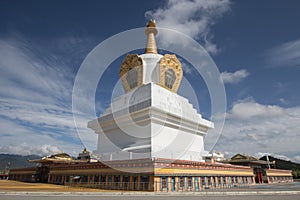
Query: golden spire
pixel 151 31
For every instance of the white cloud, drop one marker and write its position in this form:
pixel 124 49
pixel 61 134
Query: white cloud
pixel 296 159
pixel 282 100
pixel 234 77
pixel 26 76
pixel 252 127
pixel 187 68
pixel 35 101
pixel 18 138
pixel 193 18
pixel 250 109
pixel 285 55
pixel 28 149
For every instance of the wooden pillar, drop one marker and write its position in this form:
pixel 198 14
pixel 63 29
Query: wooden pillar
pixel 228 181
pixel 131 183
pixel 193 184
pixel 248 180
pixel 63 179
pixel 176 183
pixel 106 181
pixel 151 183
pixel 113 184
pixel 121 185
pixel 212 180
pixel 49 178
pixel 139 183
pixel 169 183
pixel 157 183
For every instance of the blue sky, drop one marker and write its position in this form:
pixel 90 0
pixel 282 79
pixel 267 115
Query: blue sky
pixel 255 45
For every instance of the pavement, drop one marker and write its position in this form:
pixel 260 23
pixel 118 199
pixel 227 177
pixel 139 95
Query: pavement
pixel 153 197
pixel 14 189
pixel 216 193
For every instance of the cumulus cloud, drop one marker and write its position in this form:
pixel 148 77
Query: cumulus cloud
pixel 252 127
pixel 28 149
pixel 18 137
pixel 234 77
pixel 285 55
pixel 35 101
pixel 250 109
pixel 194 18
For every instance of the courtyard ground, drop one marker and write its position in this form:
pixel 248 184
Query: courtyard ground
pixel 15 186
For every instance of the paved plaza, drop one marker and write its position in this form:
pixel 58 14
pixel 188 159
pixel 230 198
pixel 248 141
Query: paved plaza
pixel 194 197
pixel 13 190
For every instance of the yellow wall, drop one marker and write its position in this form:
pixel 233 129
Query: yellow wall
pixel 203 172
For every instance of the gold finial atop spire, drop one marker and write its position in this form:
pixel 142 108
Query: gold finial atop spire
pixel 151 23
pixel 151 31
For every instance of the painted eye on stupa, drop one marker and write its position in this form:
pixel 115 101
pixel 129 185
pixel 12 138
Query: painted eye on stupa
pixel 131 78
pixel 170 78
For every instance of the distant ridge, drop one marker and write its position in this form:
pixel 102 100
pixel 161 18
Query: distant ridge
pixel 284 164
pixel 16 161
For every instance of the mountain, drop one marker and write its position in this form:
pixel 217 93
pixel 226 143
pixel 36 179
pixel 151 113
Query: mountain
pixel 284 164
pixel 16 161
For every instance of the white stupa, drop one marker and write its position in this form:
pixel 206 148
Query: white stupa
pixel 150 120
